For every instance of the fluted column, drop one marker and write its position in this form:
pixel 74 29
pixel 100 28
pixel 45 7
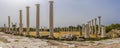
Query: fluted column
pixel 51 25
pixel 21 25
pixel 8 23
pixel 27 20
pixel 99 24
pixel 37 19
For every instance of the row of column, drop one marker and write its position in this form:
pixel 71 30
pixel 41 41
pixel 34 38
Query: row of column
pixel 51 23
pixel 92 28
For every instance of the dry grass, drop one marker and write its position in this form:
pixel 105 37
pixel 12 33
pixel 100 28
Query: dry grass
pixel 58 34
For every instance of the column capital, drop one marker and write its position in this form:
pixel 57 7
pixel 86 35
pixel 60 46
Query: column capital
pixel 20 10
pixel 27 7
pixel 95 18
pixel 51 1
pixel 92 19
pixel 37 4
pixel 99 16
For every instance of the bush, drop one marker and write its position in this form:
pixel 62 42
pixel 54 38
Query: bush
pixel 112 26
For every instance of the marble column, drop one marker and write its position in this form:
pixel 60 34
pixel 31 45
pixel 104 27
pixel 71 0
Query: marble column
pixel 4 27
pixel 87 31
pixel 37 19
pixel 51 23
pixel 103 34
pixel 99 24
pixel 95 26
pixel 27 20
pixel 20 25
pixel 9 24
pixel 92 27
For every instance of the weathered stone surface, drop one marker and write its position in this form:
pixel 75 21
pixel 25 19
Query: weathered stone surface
pixel 69 37
pixel 11 41
pixel 80 39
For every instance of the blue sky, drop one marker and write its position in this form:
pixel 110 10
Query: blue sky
pixel 66 12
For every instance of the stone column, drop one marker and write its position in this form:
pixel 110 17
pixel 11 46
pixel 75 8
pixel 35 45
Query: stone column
pixel 37 20
pixel 12 28
pixel 4 27
pixel 103 34
pixel 27 20
pixel 87 31
pixel 90 27
pixel 99 24
pixel 95 27
pixel 92 30
pixel 51 25
pixel 83 29
pixel 9 24
pixel 21 25
pixel 16 28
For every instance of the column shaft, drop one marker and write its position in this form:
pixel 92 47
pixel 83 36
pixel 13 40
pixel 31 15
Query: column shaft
pixel 4 27
pixel 37 19
pixel 8 23
pixel 51 19
pixel 95 27
pixel 92 27
pixel 27 20
pixel 20 27
pixel 87 31
pixel 103 34
pixel 99 24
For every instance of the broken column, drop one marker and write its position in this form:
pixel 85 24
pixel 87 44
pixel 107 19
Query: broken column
pixel 27 20
pixel 103 33
pixel 87 31
pixel 83 28
pixel 15 28
pixel 99 24
pixel 51 25
pixel 4 27
pixel 9 24
pixel 20 25
pixel 12 28
pixel 37 19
